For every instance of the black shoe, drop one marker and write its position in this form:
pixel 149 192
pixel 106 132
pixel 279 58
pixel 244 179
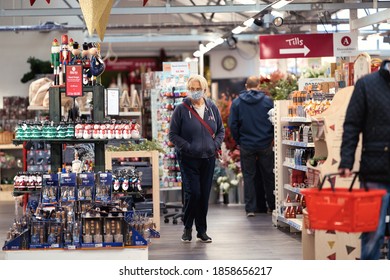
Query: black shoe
pixel 203 237
pixel 187 235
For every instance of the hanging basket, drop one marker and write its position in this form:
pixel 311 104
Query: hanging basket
pixel 343 209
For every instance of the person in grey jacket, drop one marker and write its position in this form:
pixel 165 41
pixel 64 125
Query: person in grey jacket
pixel 196 147
pixel 368 113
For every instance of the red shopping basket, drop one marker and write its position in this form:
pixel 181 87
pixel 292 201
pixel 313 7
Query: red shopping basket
pixel 342 209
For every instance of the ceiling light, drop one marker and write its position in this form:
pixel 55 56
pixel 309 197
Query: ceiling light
pixel 210 45
pixel 278 21
pixel 202 48
pixel 281 4
pixel 249 22
pixel 239 29
pixel 219 41
pixel 197 53
pixel 231 42
pixel 259 22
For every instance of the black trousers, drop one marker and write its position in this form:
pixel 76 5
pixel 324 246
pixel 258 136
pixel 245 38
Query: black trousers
pixel 251 161
pixel 197 175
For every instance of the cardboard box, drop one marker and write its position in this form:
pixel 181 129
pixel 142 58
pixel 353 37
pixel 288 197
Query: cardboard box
pixel 308 238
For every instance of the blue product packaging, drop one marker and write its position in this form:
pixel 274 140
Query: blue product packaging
pixel 68 184
pixel 49 188
pixel 86 183
pixel 103 187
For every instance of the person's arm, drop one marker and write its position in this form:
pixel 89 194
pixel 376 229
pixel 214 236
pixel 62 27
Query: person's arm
pixel 174 131
pixel 233 123
pixel 353 125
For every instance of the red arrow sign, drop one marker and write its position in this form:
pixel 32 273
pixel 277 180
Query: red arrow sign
pixel 296 45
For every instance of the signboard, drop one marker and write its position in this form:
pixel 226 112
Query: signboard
pixel 177 68
pixel 345 44
pixel 307 45
pixel 296 45
pixel 303 82
pixel 112 101
pixel 74 80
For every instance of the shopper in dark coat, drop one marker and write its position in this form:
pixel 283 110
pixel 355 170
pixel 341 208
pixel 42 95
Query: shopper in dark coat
pixel 253 132
pixel 368 113
pixel 196 148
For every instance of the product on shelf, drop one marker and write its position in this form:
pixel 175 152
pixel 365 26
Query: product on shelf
pixel 70 215
pixel 173 91
pixel 74 207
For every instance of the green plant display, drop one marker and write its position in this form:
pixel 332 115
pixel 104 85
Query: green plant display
pixel 145 145
pixel 279 85
pixel 37 66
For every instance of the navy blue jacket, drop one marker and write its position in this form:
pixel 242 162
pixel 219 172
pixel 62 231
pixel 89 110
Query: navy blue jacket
pixel 248 120
pixel 368 113
pixel 188 134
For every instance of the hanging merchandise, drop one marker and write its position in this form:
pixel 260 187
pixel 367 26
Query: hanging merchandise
pixel 96 14
pixel 172 91
pixel 97 64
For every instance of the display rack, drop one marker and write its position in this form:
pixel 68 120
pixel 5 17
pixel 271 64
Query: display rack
pixel 153 155
pixel 56 151
pixel 327 131
pixel 283 164
pixel 329 244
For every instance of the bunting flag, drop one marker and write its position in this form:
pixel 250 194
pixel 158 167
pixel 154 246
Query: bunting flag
pixel 350 249
pixel 32 2
pixel 145 1
pixel 331 232
pixel 331 244
pixel 332 127
pixel 332 257
pixel 93 11
pixel 102 23
pixel 334 161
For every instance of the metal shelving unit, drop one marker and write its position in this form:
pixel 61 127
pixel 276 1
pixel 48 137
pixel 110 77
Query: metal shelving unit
pixel 282 165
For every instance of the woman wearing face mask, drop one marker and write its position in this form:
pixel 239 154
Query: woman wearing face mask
pixel 197 132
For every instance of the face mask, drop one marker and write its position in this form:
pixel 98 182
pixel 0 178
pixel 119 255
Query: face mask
pixel 196 94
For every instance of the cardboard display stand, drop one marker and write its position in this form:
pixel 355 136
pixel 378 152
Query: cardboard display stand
pixel 332 245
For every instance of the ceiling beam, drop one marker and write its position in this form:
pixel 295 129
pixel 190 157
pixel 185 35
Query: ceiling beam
pixel 166 38
pixel 372 19
pixel 191 9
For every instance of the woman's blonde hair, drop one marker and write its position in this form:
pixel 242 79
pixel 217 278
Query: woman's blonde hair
pixel 200 79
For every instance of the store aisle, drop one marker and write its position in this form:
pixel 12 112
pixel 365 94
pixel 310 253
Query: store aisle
pixel 234 237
